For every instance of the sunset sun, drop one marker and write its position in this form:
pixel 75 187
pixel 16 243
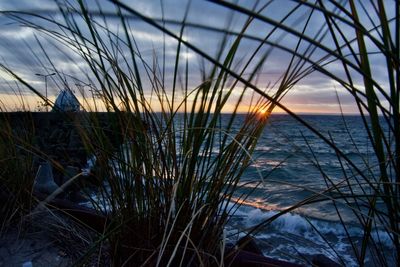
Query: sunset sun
pixel 263 112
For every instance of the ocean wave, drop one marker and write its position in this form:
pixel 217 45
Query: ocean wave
pixel 307 236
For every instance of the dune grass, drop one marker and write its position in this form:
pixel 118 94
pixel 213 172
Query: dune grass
pixel 168 189
pixel 16 167
pixel 369 189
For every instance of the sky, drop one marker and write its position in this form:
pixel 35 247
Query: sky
pixel 31 46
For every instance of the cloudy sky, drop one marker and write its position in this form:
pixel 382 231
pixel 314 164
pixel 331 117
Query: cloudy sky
pixel 30 45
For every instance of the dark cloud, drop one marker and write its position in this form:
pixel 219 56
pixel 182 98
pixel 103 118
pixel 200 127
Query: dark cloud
pixel 20 50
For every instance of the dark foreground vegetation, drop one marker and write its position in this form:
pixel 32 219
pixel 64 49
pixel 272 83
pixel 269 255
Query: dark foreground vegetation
pixel 166 195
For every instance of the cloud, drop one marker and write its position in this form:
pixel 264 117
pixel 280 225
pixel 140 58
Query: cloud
pixel 19 49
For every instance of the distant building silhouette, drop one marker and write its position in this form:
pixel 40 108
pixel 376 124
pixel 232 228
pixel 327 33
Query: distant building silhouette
pixel 66 101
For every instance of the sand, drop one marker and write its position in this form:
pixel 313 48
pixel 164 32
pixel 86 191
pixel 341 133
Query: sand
pixel 37 247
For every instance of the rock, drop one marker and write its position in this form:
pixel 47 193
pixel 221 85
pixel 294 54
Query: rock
pixel 27 264
pixel 69 172
pixel 79 213
pixel 77 197
pixel 75 141
pixel 247 253
pixel 321 260
pixel 249 244
pixel 244 258
pixel 44 180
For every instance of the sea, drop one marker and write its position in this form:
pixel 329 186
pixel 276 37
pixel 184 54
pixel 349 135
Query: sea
pixel 291 164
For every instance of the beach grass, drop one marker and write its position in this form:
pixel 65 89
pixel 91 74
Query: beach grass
pixel 167 190
pixel 16 167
